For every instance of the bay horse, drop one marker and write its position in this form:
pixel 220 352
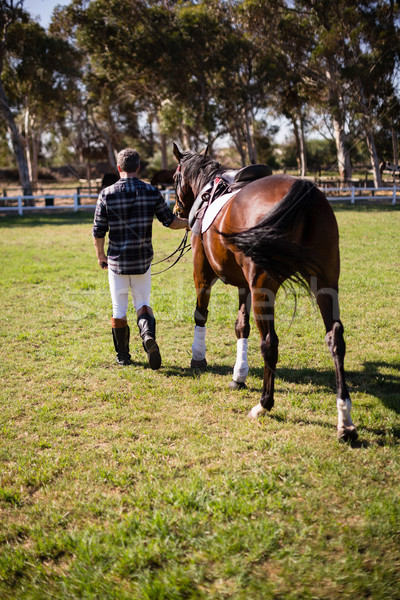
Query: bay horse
pixel 276 230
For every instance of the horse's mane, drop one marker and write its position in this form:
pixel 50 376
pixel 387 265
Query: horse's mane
pixel 199 169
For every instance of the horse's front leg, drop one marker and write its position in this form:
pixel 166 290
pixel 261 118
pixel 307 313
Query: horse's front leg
pixel 263 308
pixel 204 278
pixel 242 330
pixel 200 318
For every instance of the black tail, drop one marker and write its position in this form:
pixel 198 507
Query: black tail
pixel 268 243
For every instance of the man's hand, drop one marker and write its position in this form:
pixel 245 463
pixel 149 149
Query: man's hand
pixel 101 256
pixel 179 223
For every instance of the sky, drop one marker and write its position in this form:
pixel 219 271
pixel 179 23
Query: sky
pixel 41 10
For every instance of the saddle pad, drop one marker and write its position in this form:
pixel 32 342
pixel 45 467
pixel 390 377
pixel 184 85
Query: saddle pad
pixel 214 208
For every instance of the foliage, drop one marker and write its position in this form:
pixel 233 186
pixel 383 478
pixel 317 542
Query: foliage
pixel 321 154
pixel 112 72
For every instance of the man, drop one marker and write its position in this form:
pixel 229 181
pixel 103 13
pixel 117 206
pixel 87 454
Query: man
pixel 126 210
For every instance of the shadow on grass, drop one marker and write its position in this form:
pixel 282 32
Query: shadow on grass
pixel 214 369
pixel 369 380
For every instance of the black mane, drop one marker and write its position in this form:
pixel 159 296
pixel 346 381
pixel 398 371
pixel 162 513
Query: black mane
pixel 199 169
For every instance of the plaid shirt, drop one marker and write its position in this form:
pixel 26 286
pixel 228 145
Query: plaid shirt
pixel 126 210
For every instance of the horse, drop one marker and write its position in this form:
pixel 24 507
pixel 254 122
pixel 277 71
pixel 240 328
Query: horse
pixel 276 230
pixel 163 178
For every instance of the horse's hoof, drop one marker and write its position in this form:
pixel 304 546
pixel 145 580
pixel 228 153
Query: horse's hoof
pixel 237 385
pixel 198 364
pixel 256 411
pixel 347 434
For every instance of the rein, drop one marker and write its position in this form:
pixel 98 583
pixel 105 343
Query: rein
pixel 183 248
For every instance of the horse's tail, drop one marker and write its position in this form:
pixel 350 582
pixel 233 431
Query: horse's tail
pixel 268 243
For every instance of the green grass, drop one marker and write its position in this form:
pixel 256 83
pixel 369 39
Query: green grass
pixel 124 483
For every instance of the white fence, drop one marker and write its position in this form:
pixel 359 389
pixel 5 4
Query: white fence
pixel 354 194
pixel 73 202
pixel 78 201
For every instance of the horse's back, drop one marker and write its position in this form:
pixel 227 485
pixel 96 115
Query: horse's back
pixel 287 207
pixel 259 197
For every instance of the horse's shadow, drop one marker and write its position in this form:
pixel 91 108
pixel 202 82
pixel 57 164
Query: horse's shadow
pixel 371 379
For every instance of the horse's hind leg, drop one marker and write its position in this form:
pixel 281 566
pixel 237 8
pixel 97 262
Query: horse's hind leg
pixel 328 303
pixel 263 309
pixel 242 330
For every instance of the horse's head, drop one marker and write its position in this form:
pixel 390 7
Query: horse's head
pixel 192 174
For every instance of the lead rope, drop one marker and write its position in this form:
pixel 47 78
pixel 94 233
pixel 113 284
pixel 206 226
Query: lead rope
pixel 183 248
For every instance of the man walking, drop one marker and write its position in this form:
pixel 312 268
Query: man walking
pixel 126 210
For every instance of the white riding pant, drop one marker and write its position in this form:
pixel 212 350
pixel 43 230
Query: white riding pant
pixel 140 286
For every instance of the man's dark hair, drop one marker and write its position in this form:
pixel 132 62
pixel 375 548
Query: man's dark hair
pixel 129 160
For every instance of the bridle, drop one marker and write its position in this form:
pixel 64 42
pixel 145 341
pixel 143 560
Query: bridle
pixel 178 189
pixel 184 245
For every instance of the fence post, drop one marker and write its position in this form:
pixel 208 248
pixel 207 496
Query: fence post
pixel 76 201
pixel 20 210
pixel 394 195
pixel 353 195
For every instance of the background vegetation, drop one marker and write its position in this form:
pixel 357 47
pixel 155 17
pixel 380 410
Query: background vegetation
pixel 108 73
pixel 124 483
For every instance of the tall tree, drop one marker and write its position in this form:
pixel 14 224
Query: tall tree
pixel 249 79
pixel 351 65
pixel 373 49
pixel 41 79
pixel 10 11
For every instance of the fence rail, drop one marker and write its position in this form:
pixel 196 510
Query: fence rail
pixel 51 202
pixel 353 194
pixel 78 201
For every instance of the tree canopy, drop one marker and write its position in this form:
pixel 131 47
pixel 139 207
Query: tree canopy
pixel 108 73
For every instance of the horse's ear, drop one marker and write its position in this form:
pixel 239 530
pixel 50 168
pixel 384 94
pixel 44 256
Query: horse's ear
pixel 206 150
pixel 177 152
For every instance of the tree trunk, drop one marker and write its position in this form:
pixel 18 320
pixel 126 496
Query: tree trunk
pixel 298 127
pixel 395 147
pixel 31 146
pixel 238 139
pixel 251 147
pixel 370 138
pixel 164 154
pixel 374 159
pixel 111 152
pixel 18 146
pixel 338 120
pixel 343 156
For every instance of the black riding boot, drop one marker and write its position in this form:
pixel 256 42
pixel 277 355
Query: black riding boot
pixel 120 331
pixel 147 328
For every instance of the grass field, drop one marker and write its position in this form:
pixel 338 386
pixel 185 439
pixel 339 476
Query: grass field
pixel 124 483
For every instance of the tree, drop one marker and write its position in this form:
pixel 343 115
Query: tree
pixel 373 52
pixel 295 43
pixel 10 10
pixel 248 81
pixel 352 63
pixel 41 79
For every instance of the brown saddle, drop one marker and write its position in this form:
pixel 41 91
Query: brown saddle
pixel 230 180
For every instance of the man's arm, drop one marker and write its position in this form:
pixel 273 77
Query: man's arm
pixel 99 247
pixel 179 223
